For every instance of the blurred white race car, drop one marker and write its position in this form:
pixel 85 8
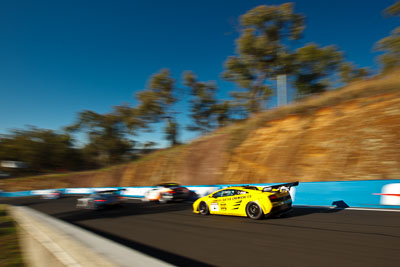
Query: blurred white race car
pixel 167 192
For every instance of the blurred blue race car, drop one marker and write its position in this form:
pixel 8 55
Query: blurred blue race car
pixel 53 194
pixel 101 199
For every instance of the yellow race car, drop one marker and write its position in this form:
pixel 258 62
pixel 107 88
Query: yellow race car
pixel 251 201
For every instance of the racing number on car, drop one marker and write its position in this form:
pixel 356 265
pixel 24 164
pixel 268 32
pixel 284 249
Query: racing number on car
pixel 214 207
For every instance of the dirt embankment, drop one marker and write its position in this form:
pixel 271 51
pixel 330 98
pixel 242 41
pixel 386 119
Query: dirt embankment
pixel 351 141
pixel 349 134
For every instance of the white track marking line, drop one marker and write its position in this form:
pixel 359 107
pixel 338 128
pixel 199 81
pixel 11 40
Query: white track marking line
pixel 350 208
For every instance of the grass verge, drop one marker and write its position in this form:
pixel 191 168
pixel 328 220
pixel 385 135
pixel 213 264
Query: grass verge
pixel 10 252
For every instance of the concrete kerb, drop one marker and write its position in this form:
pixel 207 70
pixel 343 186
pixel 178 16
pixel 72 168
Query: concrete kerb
pixel 47 241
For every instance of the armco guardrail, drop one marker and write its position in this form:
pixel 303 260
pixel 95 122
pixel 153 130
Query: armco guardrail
pixel 366 193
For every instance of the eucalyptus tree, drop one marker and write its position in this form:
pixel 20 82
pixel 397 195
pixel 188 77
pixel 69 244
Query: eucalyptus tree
pixel 106 133
pixel 263 52
pixel 350 73
pixel 202 103
pixel 41 150
pixel 313 67
pixel 156 103
pixel 390 45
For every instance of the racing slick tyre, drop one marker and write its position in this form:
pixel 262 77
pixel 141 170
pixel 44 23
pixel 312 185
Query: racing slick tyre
pixel 254 211
pixel 203 208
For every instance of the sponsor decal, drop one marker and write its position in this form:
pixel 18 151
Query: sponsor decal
pixel 239 197
pixel 390 194
pixel 223 206
pixel 214 206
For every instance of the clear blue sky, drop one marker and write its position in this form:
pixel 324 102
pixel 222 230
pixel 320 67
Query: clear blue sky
pixel 58 58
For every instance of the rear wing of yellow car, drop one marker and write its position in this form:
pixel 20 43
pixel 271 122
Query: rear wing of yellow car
pixel 280 187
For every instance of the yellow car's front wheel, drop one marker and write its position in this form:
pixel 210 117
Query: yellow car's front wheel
pixel 254 211
pixel 203 208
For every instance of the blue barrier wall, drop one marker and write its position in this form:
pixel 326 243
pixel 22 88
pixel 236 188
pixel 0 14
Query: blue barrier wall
pixel 16 194
pixel 367 193
pixel 352 193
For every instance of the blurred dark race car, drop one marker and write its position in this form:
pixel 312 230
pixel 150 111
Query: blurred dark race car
pixel 166 192
pixel 101 199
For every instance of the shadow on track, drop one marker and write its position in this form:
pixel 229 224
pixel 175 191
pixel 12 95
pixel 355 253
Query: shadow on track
pixel 143 208
pixel 64 208
pixel 29 200
pixel 148 250
pixel 125 209
pixel 303 211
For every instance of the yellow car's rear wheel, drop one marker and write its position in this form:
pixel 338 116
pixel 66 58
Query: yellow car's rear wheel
pixel 254 211
pixel 203 208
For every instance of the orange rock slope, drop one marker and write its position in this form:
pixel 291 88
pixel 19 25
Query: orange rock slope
pixel 350 141
pixel 348 134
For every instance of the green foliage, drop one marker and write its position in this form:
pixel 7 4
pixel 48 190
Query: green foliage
pixel 130 118
pixel 393 10
pixel 156 101
pixel 41 149
pixel 149 144
pixel 106 134
pixel 349 73
pixel 223 112
pixel 390 45
pixel 202 104
pixel 316 69
pixel 171 132
pixel 313 66
pixel 262 53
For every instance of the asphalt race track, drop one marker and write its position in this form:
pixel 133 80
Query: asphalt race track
pixel 171 232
